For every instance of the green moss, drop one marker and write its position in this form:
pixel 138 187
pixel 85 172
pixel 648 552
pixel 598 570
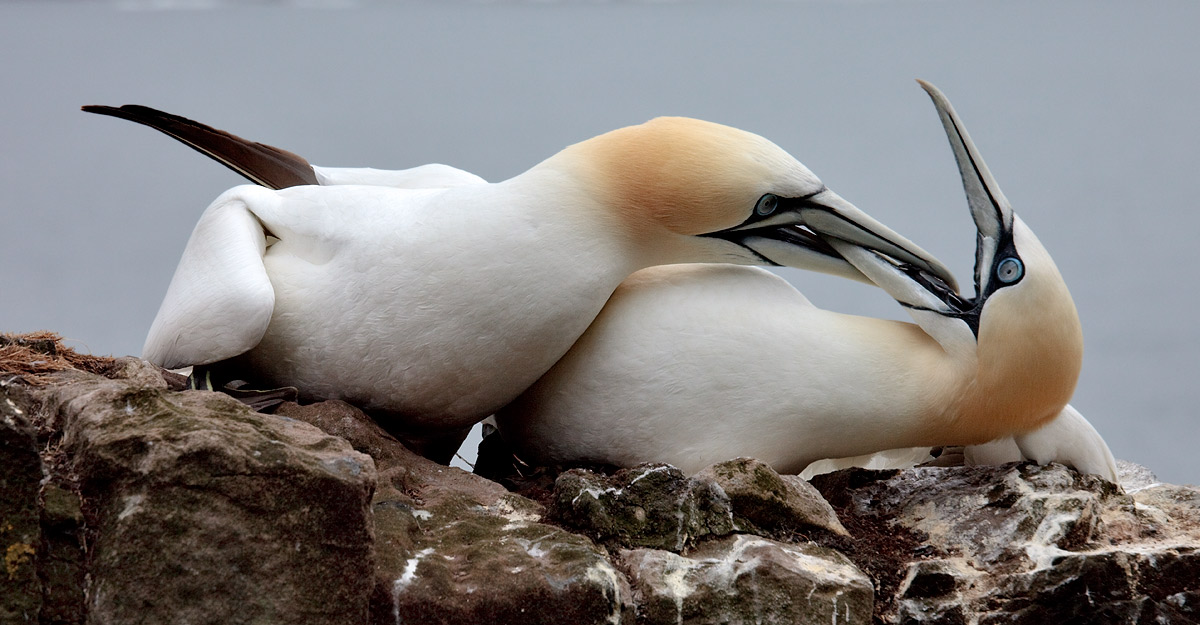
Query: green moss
pixel 60 505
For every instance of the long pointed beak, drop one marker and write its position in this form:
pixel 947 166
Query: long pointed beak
pixel 798 235
pixel 993 218
pixel 828 215
pixel 794 246
pixel 908 286
pixel 992 213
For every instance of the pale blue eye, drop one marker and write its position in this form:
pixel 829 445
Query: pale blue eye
pixel 766 204
pixel 1010 270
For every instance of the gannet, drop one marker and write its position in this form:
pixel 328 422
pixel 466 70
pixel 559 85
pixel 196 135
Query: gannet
pixel 696 364
pixel 434 307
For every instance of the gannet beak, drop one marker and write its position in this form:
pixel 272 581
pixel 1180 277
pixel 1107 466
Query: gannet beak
pixel 793 237
pixel 829 215
pixel 911 284
pixel 992 213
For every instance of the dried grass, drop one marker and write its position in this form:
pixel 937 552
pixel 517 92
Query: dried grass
pixel 35 356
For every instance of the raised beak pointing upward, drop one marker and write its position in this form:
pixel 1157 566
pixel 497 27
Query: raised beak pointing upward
pixel 991 211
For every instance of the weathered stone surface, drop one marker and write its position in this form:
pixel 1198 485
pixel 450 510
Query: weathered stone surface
pixel 765 502
pixel 453 547
pixel 58 555
pixel 653 505
pixel 747 579
pixel 1023 544
pixel 203 511
pixel 1134 476
pixel 20 527
pixel 62 562
pixel 157 506
pixel 479 568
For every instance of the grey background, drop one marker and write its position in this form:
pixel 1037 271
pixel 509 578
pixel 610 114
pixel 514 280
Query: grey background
pixel 1086 112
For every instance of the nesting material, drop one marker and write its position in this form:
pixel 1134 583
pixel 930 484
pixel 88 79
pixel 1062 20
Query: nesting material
pixel 33 357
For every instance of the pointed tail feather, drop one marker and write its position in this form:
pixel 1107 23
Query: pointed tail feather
pixel 262 164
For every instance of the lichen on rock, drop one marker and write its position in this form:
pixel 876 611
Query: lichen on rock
pixel 647 506
pixel 766 502
pixel 20 528
pixel 125 500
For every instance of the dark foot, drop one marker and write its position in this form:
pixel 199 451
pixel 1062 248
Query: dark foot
pixel 259 400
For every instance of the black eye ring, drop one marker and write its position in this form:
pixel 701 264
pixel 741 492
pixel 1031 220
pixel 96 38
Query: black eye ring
pixel 1009 270
pixel 766 204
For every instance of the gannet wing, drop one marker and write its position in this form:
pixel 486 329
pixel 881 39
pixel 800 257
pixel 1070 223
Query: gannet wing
pixel 1071 440
pixel 220 299
pixel 431 176
pixel 263 164
pixel 1067 439
pixel 276 168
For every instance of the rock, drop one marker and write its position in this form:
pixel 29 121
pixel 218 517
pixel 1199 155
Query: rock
pixel 20 525
pixel 123 501
pixel 203 511
pixel 653 505
pixel 747 579
pixel 62 561
pixel 479 568
pixel 1021 544
pixel 1134 477
pixel 59 555
pixel 765 502
pixel 657 506
pixel 452 547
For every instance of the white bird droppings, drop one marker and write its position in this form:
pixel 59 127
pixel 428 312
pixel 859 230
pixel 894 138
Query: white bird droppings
pixel 133 504
pixel 410 571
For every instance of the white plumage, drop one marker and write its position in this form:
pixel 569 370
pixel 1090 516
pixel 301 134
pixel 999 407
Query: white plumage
pixel 434 298
pixel 696 364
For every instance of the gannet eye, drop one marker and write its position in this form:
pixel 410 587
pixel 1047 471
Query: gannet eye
pixel 1010 270
pixel 766 204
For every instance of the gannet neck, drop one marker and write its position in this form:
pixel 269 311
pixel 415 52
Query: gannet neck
pixel 1020 371
pixel 901 372
pixel 554 197
pixel 1030 351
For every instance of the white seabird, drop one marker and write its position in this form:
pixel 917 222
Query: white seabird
pixel 696 364
pixel 435 307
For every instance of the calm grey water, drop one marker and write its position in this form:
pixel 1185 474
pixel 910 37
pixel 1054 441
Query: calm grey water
pixel 1086 112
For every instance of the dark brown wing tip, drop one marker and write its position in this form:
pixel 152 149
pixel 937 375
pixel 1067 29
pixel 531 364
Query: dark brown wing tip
pixel 262 164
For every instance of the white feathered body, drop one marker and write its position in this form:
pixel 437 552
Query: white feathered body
pixel 756 370
pixel 479 291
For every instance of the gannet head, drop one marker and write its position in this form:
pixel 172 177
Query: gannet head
pixel 702 192
pixel 1018 340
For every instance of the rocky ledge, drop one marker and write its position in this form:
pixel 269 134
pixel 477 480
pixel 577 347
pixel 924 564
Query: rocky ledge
pixel 123 499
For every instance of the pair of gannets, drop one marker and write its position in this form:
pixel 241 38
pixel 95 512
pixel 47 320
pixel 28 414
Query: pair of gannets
pixel 433 299
pixel 695 364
